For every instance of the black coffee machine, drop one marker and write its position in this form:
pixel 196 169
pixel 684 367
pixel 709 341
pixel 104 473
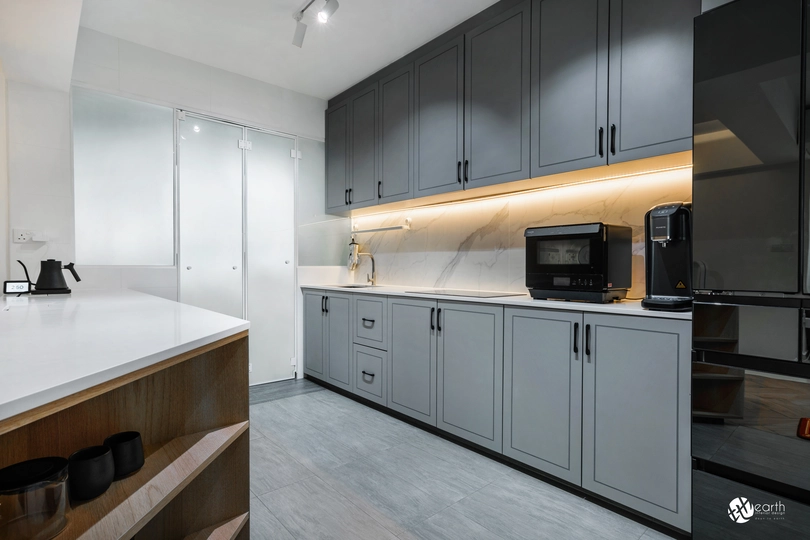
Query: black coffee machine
pixel 668 259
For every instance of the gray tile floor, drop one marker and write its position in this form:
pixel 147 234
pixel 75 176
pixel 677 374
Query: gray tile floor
pixel 323 466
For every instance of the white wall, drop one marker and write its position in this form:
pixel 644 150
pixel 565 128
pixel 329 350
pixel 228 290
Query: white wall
pixel 41 188
pixel 3 182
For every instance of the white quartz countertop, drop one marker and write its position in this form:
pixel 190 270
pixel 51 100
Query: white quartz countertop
pixel 55 346
pixel 625 307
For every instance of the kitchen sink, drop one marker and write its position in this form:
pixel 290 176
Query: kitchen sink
pixel 354 286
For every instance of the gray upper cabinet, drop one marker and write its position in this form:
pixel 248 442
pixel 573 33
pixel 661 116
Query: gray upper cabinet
pixel 337 158
pixel 497 97
pixel 469 397
pixel 396 137
pixel 412 358
pixel 636 414
pixel 542 390
pixel 363 156
pixel 337 340
pixel 650 77
pixel 439 120
pixel 314 358
pixel 569 77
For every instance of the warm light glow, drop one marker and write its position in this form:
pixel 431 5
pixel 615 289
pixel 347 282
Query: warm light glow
pixel 323 16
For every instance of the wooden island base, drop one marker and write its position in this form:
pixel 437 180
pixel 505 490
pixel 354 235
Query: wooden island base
pixel 192 413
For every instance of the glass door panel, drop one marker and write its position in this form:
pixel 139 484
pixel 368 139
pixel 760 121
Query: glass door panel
pixel 271 255
pixel 210 215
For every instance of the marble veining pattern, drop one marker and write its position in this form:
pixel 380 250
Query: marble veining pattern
pixel 479 245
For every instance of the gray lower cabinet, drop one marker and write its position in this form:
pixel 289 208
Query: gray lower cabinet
pixel 314 317
pixel 496 101
pixel 369 368
pixel 412 358
pixel 569 85
pixel 636 414
pixel 337 340
pixel 363 148
pixel 542 390
pixel 469 396
pixel 650 77
pixel 370 316
pixel 396 137
pixel 337 158
pixel 439 120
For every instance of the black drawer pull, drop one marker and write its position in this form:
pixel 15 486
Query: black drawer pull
pixel 459 172
pixel 601 142
pixel 466 170
pixel 366 373
pixel 350 195
pixel 371 321
pixel 576 338
pixel 432 313
pixel 346 197
pixel 439 320
pixel 613 139
pixel 326 305
pixel 379 189
pixel 588 341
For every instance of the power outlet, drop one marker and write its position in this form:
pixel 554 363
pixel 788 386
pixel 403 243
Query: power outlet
pixel 21 236
pixel 250 367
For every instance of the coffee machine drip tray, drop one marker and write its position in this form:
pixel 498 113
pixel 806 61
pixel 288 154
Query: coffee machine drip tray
pixel 667 303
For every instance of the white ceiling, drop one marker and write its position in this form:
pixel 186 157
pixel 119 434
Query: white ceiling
pixel 254 37
pixel 38 40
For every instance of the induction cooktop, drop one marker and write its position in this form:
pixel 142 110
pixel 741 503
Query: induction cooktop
pixel 471 294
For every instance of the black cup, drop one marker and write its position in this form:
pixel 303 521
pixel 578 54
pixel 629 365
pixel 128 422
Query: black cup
pixel 127 451
pixel 90 472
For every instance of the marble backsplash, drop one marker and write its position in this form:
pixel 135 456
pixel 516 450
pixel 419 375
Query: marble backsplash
pixel 479 245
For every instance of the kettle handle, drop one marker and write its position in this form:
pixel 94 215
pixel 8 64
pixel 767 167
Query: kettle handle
pixel 69 266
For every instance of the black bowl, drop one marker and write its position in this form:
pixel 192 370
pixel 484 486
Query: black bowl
pixel 90 472
pixel 127 451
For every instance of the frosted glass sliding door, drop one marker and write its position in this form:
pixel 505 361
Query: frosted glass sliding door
pixel 123 168
pixel 270 175
pixel 210 215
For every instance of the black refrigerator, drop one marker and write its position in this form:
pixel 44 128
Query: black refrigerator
pixel 751 319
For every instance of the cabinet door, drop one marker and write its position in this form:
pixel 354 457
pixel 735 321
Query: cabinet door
pixel 337 340
pixel 337 162
pixel 542 391
pixel 469 398
pixel 412 358
pixel 569 85
pixel 439 120
pixel 363 148
pixel 636 414
pixel 497 95
pixel 650 77
pixel 314 359
pixel 396 137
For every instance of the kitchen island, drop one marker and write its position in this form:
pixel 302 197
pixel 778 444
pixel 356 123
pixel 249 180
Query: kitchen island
pixel 75 369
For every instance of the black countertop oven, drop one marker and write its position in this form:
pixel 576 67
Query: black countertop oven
pixel 590 263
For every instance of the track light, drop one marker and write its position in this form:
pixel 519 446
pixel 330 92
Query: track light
pixel 329 8
pixel 300 30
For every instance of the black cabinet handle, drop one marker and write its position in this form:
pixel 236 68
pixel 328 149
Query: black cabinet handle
pixel 613 139
pixel 346 197
pixel 576 338
pixel 466 170
pixel 439 320
pixel 366 373
pixel 367 321
pixel 601 142
pixel 588 341
pixel 379 189
pixel 459 172
pixel 326 305
pixel 432 312
pixel 323 308
pixel 350 195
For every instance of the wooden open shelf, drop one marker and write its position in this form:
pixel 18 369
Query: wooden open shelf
pixel 131 502
pixel 192 414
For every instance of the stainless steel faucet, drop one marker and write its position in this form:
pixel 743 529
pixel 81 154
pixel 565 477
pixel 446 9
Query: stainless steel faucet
pixel 354 260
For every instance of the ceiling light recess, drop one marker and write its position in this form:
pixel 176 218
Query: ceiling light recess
pixel 328 10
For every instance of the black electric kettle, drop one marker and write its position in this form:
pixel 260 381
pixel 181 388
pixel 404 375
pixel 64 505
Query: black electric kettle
pixel 51 280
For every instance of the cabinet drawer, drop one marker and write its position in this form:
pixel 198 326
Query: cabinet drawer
pixel 369 321
pixel 369 374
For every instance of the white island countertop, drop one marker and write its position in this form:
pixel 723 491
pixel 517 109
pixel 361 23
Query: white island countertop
pixel 55 346
pixel 625 307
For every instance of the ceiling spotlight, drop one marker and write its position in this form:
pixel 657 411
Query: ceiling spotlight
pixel 328 10
pixel 300 30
